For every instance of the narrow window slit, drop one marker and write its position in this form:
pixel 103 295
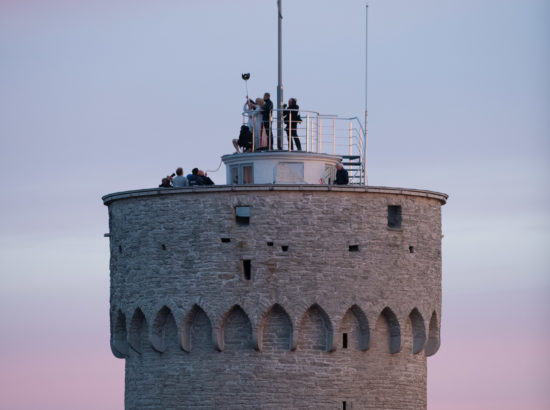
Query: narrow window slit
pixel 411 249
pixel 247 269
pixel 119 249
pixel 394 216
pixel 344 405
pixel 354 248
pixel 242 215
pixel 344 340
pixel 226 240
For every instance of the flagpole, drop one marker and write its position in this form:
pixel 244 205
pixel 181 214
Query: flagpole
pixel 366 94
pixel 280 76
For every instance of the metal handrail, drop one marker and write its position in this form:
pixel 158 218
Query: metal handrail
pixel 330 134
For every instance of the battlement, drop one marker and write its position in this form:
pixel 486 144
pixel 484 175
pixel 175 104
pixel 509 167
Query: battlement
pixel 271 329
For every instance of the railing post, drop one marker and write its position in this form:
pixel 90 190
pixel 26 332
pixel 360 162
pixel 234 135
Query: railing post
pixel 320 145
pixel 350 138
pixel 333 136
pixel 307 132
pixel 289 131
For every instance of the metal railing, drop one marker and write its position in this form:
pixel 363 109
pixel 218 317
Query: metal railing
pixel 319 133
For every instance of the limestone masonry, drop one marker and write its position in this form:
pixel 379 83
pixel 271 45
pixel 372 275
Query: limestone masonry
pixel 275 296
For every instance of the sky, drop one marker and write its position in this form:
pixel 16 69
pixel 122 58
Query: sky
pixel 105 96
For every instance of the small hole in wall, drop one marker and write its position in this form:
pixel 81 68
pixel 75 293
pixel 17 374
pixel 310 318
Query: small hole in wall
pixel 411 249
pixel 284 248
pixel 354 248
pixel 119 249
pixel 163 247
pixel 247 269
pixel 226 240
pixel 270 244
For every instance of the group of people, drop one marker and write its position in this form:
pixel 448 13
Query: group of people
pixel 257 134
pixel 178 180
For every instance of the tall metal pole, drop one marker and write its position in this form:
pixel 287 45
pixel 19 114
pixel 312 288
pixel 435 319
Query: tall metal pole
pixel 280 78
pixel 366 100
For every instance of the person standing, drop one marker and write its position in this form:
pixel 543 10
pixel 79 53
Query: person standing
pixel 267 113
pixel 291 118
pixel 342 177
pixel 255 120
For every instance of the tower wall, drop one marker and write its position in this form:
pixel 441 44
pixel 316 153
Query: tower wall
pixel 196 332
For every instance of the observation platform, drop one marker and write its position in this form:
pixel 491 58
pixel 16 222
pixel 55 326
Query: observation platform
pixel 326 140
pixel 280 167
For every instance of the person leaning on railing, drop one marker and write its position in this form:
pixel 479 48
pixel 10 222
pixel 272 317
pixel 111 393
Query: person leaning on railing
pixel 291 118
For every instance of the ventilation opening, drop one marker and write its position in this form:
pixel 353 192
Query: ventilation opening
pixel 284 248
pixel 270 244
pixel 394 216
pixel 242 215
pixel 411 249
pixel 354 248
pixel 163 247
pixel 344 341
pixel 226 240
pixel 247 269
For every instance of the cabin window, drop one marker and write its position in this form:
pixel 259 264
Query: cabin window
pixel 242 174
pixel 234 175
pixel 247 174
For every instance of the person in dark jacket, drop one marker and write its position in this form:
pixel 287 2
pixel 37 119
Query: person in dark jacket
pixel 195 178
pixel 342 177
pixel 267 111
pixel 166 183
pixel 244 141
pixel 291 118
pixel 205 178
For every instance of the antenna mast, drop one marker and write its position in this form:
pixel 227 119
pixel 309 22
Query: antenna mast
pixel 366 100
pixel 280 76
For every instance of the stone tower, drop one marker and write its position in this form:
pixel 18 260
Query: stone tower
pixel 275 291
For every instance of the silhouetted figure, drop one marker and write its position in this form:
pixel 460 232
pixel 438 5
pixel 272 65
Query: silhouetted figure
pixel 205 179
pixel 291 118
pixel 267 113
pixel 342 177
pixel 166 183
pixel 195 178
